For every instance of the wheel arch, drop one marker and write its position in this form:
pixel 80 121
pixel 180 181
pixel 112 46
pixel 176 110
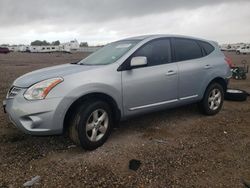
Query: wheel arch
pixel 91 96
pixel 219 80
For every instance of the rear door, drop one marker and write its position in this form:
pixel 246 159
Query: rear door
pixel 153 86
pixel 192 68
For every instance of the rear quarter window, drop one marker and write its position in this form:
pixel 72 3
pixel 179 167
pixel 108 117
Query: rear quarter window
pixel 208 48
pixel 186 49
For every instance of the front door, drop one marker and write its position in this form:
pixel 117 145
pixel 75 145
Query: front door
pixel 154 86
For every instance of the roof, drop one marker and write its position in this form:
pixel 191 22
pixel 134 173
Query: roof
pixel 143 37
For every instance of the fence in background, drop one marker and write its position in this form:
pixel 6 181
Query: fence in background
pixel 88 49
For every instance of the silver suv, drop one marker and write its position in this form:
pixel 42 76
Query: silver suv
pixel 129 77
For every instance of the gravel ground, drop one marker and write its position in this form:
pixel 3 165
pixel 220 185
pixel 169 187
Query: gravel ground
pixel 177 148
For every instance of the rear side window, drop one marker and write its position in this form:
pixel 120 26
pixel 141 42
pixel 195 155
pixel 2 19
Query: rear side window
pixel 186 49
pixel 157 52
pixel 207 47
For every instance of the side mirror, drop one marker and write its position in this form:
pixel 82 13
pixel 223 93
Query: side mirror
pixel 138 61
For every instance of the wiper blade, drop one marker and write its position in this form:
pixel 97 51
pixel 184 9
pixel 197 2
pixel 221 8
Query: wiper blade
pixel 75 62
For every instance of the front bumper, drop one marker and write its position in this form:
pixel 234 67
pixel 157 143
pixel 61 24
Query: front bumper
pixel 38 117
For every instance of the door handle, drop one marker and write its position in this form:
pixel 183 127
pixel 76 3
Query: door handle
pixel 208 66
pixel 170 72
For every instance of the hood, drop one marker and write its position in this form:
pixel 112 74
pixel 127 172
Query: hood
pixel 56 71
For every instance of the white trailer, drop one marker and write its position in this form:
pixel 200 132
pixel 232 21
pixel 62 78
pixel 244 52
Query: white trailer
pixel 70 46
pixel 44 49
pixel 243 50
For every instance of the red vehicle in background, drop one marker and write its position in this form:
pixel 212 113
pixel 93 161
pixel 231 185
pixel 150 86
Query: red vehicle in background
pixel 4 50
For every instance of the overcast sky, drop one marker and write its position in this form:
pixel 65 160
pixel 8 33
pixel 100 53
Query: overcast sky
pixel 102 21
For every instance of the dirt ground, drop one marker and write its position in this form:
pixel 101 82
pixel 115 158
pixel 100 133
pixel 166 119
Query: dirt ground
pixel 177 148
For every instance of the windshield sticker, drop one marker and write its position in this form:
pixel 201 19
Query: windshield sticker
pixel 123 46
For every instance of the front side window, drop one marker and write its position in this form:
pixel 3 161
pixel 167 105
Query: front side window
pixel 109 53
pixel 186 49
pixel 158 52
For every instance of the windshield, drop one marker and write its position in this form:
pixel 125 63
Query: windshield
pixel 109 53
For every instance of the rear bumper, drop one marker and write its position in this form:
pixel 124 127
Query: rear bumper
pixel 4 106
pixel 227 80
pixel 228 76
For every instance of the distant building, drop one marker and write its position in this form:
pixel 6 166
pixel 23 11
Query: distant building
pixel 70 46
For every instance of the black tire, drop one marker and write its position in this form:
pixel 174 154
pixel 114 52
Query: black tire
pixel 77 129
pixel 204 103
pixel 236 95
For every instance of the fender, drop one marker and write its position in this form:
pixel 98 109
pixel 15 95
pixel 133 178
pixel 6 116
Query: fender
pixel 79 92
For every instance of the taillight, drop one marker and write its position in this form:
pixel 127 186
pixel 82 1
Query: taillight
pixel 229 62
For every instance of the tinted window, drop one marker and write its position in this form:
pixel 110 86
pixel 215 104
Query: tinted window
pixel 207 47
pixel 186 49
pixel 157 52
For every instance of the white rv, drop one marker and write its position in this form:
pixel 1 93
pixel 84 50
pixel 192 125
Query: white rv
pixel 70 46
pixel 44 49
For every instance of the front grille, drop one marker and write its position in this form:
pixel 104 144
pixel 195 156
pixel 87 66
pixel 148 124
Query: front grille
pixel 13 92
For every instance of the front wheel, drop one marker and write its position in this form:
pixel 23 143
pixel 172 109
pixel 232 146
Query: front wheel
pixel 91 125
pixel 213 99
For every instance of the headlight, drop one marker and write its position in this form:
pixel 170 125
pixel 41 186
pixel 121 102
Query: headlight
pixel 41 89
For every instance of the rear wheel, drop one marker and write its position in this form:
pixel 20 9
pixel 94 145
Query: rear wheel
pixel 92 124
pixel 213 99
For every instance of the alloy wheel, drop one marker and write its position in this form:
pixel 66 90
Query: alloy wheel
pixel 97 125
pixel 214 99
